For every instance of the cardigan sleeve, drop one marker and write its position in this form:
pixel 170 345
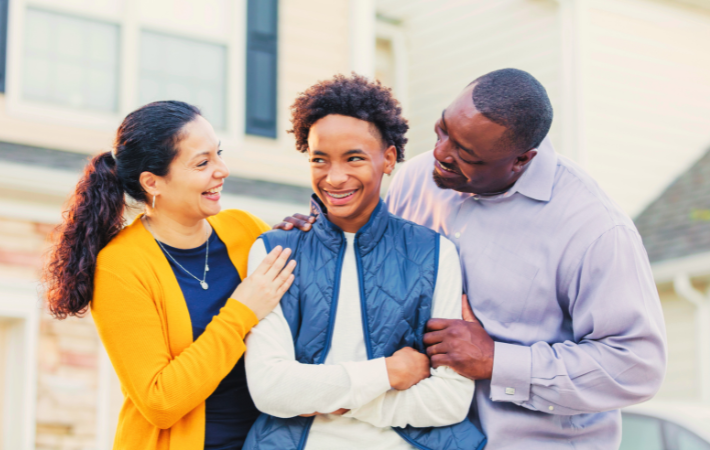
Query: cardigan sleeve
pixel 163 388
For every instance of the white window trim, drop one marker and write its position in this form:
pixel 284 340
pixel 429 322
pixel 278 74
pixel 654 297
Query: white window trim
pixel 27 109
pixel 396 36
pixel 130 28
pixel 19 302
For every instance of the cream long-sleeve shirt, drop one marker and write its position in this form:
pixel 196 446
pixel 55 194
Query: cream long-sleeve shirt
pixel 283 387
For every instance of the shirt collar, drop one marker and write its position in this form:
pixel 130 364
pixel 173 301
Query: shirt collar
pixel 536 183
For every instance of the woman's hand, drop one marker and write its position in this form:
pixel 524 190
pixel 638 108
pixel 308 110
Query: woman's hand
pixel 407 367
pixel 263 289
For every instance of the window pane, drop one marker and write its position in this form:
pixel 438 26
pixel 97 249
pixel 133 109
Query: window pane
pixel 70 61
pixel 174 68
pixel 640 433
pixel 681 439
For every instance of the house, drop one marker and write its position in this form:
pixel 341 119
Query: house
pixel 676 233
pixel 629 80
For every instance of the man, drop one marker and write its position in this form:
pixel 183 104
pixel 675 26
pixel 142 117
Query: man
pixel 571 327
pixel 340 364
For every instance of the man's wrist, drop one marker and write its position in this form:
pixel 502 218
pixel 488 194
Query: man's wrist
pixel 511 373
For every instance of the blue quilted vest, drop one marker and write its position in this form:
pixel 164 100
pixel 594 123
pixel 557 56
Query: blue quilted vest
pixel 397 265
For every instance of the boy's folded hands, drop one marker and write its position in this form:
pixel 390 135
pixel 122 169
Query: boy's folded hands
pixel 407 367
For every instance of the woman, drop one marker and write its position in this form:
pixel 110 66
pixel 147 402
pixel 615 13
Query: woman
pixel 165 292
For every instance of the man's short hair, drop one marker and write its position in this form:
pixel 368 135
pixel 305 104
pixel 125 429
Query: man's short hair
pixel 515 99
pixel 353 96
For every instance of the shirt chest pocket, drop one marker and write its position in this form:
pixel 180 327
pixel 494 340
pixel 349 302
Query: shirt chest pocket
pixel 498 283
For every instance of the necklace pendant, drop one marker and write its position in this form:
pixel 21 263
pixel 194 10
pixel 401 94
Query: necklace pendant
pixel 207 268
pixel 204 285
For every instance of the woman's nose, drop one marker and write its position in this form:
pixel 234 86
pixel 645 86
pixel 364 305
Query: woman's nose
pixel 222 171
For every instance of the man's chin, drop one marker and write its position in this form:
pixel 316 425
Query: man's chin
pixel 442 182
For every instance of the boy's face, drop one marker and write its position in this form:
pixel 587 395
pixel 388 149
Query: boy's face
pixel 348 159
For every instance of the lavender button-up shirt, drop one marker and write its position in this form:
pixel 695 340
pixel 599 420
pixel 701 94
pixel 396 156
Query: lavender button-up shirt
pixel 559 278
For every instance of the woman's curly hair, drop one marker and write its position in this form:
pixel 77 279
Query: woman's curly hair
pixel 353 96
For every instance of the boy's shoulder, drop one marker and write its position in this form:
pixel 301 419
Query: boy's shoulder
pixel 400 223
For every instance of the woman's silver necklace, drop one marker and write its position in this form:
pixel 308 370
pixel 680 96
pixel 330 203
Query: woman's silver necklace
pixel 203 281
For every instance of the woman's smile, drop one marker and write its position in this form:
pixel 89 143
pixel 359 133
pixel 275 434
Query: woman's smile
pixel 213 193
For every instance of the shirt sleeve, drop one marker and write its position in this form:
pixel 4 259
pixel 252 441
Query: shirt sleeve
pixel 619 354
pixel 445 397
pixel 283 387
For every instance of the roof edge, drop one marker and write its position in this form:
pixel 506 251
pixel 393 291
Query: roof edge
pixel 693 265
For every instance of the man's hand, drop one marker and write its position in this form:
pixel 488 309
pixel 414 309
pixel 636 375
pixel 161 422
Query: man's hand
pixel 407 367
pixel 462 345
pixel 299 221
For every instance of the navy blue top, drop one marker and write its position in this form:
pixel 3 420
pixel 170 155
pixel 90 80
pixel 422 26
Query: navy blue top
pixel 230 409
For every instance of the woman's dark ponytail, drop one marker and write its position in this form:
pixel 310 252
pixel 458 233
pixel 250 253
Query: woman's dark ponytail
pixel 146 142
pixel 94 217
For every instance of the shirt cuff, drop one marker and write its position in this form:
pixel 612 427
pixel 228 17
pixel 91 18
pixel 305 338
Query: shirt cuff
pixel 369 379
pixel 510 381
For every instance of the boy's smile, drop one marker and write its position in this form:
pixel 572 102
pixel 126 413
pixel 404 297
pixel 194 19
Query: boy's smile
pixel 348 159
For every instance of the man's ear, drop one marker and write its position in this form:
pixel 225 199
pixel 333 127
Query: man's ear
pixel 149 182
pixel 390 159
pixel 523 160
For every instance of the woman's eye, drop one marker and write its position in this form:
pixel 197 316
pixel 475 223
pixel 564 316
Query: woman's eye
pixel 219 152
pixel 202 164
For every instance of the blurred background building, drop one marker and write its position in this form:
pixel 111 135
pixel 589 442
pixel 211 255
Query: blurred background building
pixel 629 81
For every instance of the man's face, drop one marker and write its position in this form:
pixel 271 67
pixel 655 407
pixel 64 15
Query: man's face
pixel 347 163
pixel 471 152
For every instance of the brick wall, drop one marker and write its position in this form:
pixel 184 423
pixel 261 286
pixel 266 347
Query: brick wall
pixel 67 366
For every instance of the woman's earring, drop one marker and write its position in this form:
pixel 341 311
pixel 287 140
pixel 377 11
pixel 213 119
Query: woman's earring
pixel 154 202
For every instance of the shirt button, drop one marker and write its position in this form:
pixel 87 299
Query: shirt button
pixel 510 391
pixel 457 235
pixel 551 408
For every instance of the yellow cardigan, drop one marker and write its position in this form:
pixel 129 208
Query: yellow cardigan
pixel 143 321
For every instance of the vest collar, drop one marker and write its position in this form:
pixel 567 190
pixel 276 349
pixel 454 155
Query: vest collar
pixel 332 236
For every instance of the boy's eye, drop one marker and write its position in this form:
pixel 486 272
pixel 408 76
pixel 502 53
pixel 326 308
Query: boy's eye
pixel 219 152
pixel 316 160
pixel 356 158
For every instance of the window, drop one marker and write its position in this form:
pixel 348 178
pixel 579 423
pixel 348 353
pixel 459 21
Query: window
pixel 70 61
pixel 175 68
pixel 385 62
pixel 679 438
pixel 641 433
pixel 261 83
pixel 3 49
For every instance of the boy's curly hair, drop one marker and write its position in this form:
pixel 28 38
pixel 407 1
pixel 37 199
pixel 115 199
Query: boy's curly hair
pixel 353 96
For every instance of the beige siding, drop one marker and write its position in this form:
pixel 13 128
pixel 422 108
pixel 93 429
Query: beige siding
pixel 647 96
pixel 681 373
pixel 452 42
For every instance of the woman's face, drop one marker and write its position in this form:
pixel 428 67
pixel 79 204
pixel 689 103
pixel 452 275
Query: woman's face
pixel 191 189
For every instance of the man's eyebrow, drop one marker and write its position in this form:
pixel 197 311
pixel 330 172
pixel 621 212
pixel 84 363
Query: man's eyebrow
pixel 470 152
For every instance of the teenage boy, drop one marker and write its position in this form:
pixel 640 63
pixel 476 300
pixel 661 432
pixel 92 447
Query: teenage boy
pixel 555 271
pixel 339 365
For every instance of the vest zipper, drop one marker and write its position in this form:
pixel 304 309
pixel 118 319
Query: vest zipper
pixel 329 336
